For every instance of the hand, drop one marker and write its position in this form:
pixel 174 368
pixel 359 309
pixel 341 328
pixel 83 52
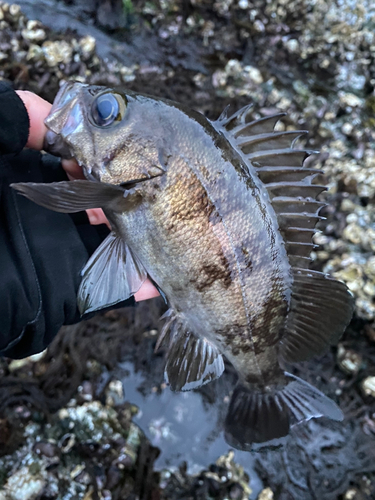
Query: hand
pixel 38 110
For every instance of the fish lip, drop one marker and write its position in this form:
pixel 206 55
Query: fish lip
pixel 64 117
pixel 88 174
pixel 54 144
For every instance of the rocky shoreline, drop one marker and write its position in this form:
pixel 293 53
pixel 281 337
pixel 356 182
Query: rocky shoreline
pixel 65 435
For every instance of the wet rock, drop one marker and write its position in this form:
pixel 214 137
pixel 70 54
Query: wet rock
pixel 351 100
pixel 348 360
pixel 114 393
pixel 48 449
pixel 17 364
pixel 236 492
pixel 128 453
pixel 87 45
pixel 353 494
pixel 34 32
pixel 368 386
pixel 26 483
pixel 266 494
pixel 370 332
pixel 57 52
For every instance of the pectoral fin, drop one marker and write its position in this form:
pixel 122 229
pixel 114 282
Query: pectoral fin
pixel 72 196
pixel 111 275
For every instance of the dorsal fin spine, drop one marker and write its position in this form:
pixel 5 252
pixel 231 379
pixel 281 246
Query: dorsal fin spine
pixel 278 164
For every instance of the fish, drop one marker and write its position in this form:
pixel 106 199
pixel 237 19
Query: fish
pixel 220 216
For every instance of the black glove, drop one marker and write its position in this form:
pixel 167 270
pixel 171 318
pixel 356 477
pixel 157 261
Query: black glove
pixel 41 252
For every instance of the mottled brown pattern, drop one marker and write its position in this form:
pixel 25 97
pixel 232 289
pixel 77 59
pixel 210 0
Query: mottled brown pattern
pixel 236 338
pixel 247 263
pixel 268 325
pixel 209 273
pixel 188 201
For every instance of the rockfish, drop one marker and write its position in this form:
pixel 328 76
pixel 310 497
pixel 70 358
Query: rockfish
pixel 220 215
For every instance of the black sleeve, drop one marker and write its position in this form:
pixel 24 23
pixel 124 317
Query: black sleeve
pixel 41 252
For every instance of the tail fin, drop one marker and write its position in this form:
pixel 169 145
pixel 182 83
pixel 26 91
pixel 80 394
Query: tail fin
pixel 259 417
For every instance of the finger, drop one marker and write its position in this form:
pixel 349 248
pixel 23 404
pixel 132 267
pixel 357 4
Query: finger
pixel 37 109
pixel 147 291
pixel 73 170
pixel 96 216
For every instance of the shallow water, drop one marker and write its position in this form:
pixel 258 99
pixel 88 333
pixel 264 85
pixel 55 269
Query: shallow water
pixel 183 425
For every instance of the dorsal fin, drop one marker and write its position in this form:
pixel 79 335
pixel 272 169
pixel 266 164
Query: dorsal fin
pixel 239 117
pixel 279 166
pixel 320 307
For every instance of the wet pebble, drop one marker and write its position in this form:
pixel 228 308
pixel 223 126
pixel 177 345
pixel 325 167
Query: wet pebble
pixel 266 494
pixel 370 332
pixel 87 45
pixel 26 483
pixel 57 52
pixel 236 492
pixel 368 386
pixel 114 393
pixel 351 100
pixel 47 449
pixel 348 360
pixel 34 32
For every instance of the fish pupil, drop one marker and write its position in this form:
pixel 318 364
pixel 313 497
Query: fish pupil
pixel 105 110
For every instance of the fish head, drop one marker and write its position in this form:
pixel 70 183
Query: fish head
pixel 115 136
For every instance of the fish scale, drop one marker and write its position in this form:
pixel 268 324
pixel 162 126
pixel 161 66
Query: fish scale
pixel 220 215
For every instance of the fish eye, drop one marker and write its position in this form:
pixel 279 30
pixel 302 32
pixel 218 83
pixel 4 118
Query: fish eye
pixel 106 109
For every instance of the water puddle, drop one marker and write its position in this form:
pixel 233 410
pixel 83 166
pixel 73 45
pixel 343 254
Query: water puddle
pixel 185 426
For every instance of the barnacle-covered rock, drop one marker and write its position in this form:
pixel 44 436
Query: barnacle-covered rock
pixel 348 360
pixel 91 422
pixel 368 386
pixel 34 31
pixel 26 483
pixel 57 52
pixel 87 45
pixel 73 434
pixel 266 494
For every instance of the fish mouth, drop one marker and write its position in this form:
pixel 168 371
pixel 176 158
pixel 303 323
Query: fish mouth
pixel 87 172
pixel 55 145
pixel 65 119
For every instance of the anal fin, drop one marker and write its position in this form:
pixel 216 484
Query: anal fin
pixel 320 309
pixel 111 275
pixel 191 361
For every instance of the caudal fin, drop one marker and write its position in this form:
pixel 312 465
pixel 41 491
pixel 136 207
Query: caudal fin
pixel 259 417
